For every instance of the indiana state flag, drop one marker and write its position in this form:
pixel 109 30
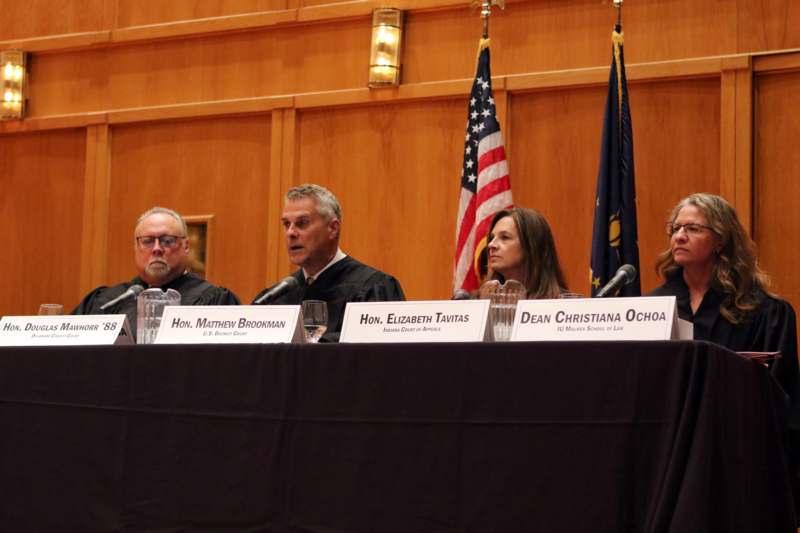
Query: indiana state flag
pixel 614 237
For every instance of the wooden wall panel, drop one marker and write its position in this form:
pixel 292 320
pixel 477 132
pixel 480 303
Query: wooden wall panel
pixel 42 182
pixel 395 169
pixel 768 25
pixel 241 65
pixel 561 34
pixel 33 18
pixel 677 151
pixel 218 167
pixel 777 180
pixel 68 82
pixel 555 156
pixel 333 54
pixel 137 12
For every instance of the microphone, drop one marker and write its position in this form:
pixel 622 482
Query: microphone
pixel 460 294
pixel 625 274
pixel 133 290
pixel 285 285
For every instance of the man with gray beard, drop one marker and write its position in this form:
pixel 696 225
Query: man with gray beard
pixel 161 254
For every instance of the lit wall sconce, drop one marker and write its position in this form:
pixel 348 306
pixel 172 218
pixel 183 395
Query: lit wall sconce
pixel 387 33
pixel 14 84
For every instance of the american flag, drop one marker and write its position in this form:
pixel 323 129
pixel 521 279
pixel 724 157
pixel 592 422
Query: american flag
pixel 485 185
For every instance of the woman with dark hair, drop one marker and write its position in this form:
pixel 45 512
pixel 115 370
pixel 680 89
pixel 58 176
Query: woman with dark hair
pixel 521 247
pixel 712 269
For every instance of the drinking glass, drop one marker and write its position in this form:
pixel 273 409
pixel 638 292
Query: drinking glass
pixel 51 309
pixel 315 319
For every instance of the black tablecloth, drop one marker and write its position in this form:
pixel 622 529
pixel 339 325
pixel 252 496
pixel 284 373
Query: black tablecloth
pixel 546 437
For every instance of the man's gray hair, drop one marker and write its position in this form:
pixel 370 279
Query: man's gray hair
pixel 163 211
pixel 327 204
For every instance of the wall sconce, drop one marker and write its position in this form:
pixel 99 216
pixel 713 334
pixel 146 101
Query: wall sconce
pixel 14 84
pixel 387 33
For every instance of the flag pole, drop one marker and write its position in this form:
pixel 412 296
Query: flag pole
pixel 618 6
pixel 486 12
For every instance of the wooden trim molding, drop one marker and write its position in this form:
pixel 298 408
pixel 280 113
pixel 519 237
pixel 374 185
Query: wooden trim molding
pixel 97 187
pixel 534 81
pixel 736 137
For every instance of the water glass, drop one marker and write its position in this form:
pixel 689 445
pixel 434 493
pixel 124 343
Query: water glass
pixel 51 309
pixel 315 319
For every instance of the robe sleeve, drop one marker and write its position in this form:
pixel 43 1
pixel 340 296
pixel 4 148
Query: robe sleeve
pixel 217 296
pixel 776 330
pixel 90 305
pixel 378 288
pixel 382 288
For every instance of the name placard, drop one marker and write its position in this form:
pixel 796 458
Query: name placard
pixel 64 330
pixel 434 321
pixel 596 319
pixel 230 324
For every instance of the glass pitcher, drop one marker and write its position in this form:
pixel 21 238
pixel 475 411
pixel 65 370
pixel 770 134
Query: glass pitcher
pixel 149 308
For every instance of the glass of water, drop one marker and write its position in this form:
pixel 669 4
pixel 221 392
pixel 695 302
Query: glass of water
pixel 315 319
pixel 51 309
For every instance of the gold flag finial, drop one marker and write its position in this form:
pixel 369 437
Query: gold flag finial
pixel 486 11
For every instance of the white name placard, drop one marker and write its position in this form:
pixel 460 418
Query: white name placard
pixel 230 324
pixel 596 319
pixel 434 321
pixel 64 330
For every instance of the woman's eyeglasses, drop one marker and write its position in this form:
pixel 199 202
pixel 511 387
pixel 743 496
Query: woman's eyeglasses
pixel 691 228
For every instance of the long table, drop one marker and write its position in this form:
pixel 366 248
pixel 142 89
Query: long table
pixel 509 437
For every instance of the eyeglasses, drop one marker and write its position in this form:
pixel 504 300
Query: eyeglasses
pixel 166 241
pixel 691 228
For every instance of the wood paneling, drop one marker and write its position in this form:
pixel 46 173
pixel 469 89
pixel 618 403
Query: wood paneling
pixel 736 137
pixel 42 182
pixel 676 127
pixel 136 12
pixel 218 167
pixel 168 64
pixel 242 65
pixel 97 184
pixel 69 82
pixel 768 24
pixel 395 171
pixel 34 18
pixel 777 180
pixel 564 34
pixel 555 156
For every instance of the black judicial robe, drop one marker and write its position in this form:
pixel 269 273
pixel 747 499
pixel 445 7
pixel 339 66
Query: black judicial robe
pixel 770 327
pixel 345 281
pixel 194 291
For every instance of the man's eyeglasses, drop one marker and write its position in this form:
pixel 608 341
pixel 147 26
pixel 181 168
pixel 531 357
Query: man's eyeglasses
pixel 691 229
pixel 166 241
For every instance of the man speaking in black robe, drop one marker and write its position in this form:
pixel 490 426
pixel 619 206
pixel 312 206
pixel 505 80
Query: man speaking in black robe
pixel 312 219
pixel 161 254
